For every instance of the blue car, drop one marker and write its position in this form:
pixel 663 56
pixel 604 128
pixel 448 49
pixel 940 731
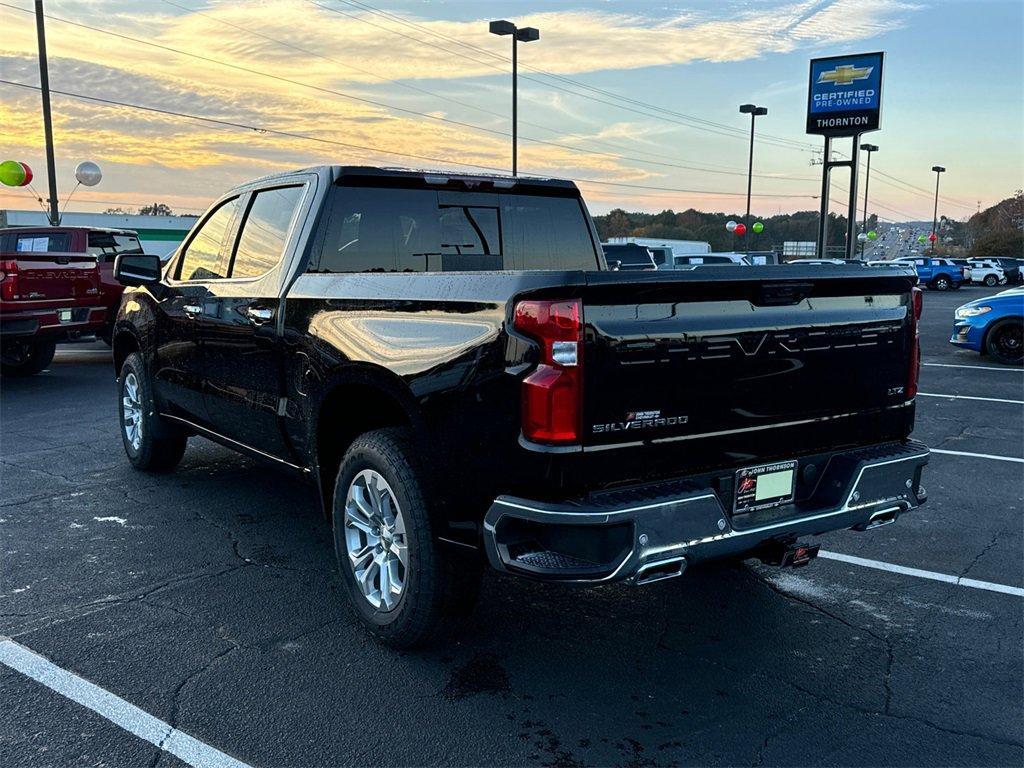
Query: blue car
pixel 992 325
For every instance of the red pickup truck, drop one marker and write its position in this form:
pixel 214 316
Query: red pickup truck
pixel 56 284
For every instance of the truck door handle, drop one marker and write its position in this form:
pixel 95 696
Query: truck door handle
pixel 192 310
pixel 259 315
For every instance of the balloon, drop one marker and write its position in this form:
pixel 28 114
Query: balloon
pixel 12 173
pixel 932 237
pixel 731 226
pixel 862 238
pixel 741 229
pixel 872 235
pixel 28 174
pixel 758 227
pixel 920 238
pixel 88 173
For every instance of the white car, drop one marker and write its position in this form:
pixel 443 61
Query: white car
pixel 987 272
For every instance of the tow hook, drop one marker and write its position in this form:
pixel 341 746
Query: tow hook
pixel 792 555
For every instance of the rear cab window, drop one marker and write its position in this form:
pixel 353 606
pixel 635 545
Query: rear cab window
pixel 398 229
pixel 42 242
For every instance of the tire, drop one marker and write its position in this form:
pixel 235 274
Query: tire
pixel 431 589
pixel 991 281
pixel 156 446
pixel 1004 343
pixel 941 283
pixel 25 358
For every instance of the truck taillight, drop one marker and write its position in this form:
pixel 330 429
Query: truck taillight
pixel 9 280
pixel 916 306
pixel 553 394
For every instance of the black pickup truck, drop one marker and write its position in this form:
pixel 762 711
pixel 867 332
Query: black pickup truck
pixel 451 362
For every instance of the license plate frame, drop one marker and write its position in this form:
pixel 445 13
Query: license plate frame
pixel 750 494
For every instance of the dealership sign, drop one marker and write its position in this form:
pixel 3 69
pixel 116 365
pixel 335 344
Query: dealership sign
pixel 845 94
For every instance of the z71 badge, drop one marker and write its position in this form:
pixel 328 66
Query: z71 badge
pixel 637 420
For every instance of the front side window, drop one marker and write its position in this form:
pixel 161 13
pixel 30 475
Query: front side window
pixel 265 231
pixel 206 255
pixel 106 245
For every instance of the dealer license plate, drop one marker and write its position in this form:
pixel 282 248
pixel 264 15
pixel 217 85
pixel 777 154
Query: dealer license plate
pixel 64 315
pixel 768 485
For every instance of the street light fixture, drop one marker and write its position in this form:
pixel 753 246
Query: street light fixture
pixel 869 148
pixel 939 170
pixel 754 111
pixel 524 35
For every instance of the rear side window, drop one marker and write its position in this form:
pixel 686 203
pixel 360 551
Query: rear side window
pixel 206 255
pixel 106 245
pixel 265 231
pixel 51 242
pixel 374 229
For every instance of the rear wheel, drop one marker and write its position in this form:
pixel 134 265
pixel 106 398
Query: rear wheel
pixel 941 283
pixel 20 357
pixel 404 588
pixel 1004 342
pixel 152 445
pixel 991 281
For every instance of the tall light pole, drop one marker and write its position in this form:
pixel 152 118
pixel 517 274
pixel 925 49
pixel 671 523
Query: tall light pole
pixel 525 35
pixel 754 112
pixel 939 170
pixel 869 148
pixel 44 88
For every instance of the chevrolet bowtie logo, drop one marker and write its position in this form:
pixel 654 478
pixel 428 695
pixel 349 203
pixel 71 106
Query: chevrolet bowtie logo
pixel 845 74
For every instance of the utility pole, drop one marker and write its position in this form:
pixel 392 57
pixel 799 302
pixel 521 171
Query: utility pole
pixel 44 87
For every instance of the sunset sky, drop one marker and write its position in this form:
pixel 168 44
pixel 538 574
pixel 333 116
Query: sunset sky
pixel 637 101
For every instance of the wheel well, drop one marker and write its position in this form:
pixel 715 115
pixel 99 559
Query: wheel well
pixel 124 343
pixel 348 411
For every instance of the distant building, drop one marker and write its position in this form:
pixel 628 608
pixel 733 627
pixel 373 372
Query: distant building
pixel 159 235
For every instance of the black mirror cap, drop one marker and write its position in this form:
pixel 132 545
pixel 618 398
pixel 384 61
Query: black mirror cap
pixel 137 269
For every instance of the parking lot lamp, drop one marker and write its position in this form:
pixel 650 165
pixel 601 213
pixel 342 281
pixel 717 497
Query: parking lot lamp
pixel 939 170
pixel 754 112
pixel 869 148
pixel 525 35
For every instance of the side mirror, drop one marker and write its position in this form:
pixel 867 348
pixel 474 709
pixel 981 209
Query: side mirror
pixel 137 269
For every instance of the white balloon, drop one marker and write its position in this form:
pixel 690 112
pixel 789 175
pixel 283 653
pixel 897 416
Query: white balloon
pixel 862 237
pixel 88 173
pixel 731 226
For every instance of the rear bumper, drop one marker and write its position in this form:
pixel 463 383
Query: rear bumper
pixel 656 531
pixel 47 323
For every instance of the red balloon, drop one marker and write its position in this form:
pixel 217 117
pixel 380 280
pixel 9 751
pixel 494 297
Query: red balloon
pixel 741 229
pixel 28 174
pixel 932 237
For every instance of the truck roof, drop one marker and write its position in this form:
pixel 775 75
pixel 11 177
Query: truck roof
pixel 427 176
pixel 27 228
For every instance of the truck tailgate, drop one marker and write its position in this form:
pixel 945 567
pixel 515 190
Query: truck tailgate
pixel 720 350
pixel 45 277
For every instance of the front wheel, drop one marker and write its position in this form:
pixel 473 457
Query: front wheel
pixel 25 358
pixel 941 283
pixel 151 444
pixel 991 281
pixel 1004 342
pixel 403 587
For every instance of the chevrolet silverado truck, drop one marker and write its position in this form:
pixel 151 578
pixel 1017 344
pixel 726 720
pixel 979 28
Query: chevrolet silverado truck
pixel 56 284
pixel 449 359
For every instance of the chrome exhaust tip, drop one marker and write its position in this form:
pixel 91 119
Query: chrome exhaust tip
pixel 659 570
pixel 880 518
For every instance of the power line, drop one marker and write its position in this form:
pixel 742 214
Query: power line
pixel 384 105
pixel 347 145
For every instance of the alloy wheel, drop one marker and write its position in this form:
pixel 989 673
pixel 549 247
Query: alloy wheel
pixel 375 540
pixel 131 408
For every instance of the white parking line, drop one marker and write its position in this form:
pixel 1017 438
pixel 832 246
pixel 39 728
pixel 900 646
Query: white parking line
pixel 970 397
pixel 975 367
pixel 114 708
pixel 959 581
pixel 978 455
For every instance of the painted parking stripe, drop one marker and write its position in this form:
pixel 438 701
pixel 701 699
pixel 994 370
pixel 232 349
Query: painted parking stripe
pixel 972 455
pixel 971 397
pixel 114 708
pixel 975 367
pixel 959 581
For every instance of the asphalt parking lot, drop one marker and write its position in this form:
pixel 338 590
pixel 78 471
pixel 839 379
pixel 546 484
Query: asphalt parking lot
pixel 208 599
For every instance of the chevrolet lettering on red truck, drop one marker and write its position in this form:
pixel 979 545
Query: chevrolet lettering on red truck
pixel 452 363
